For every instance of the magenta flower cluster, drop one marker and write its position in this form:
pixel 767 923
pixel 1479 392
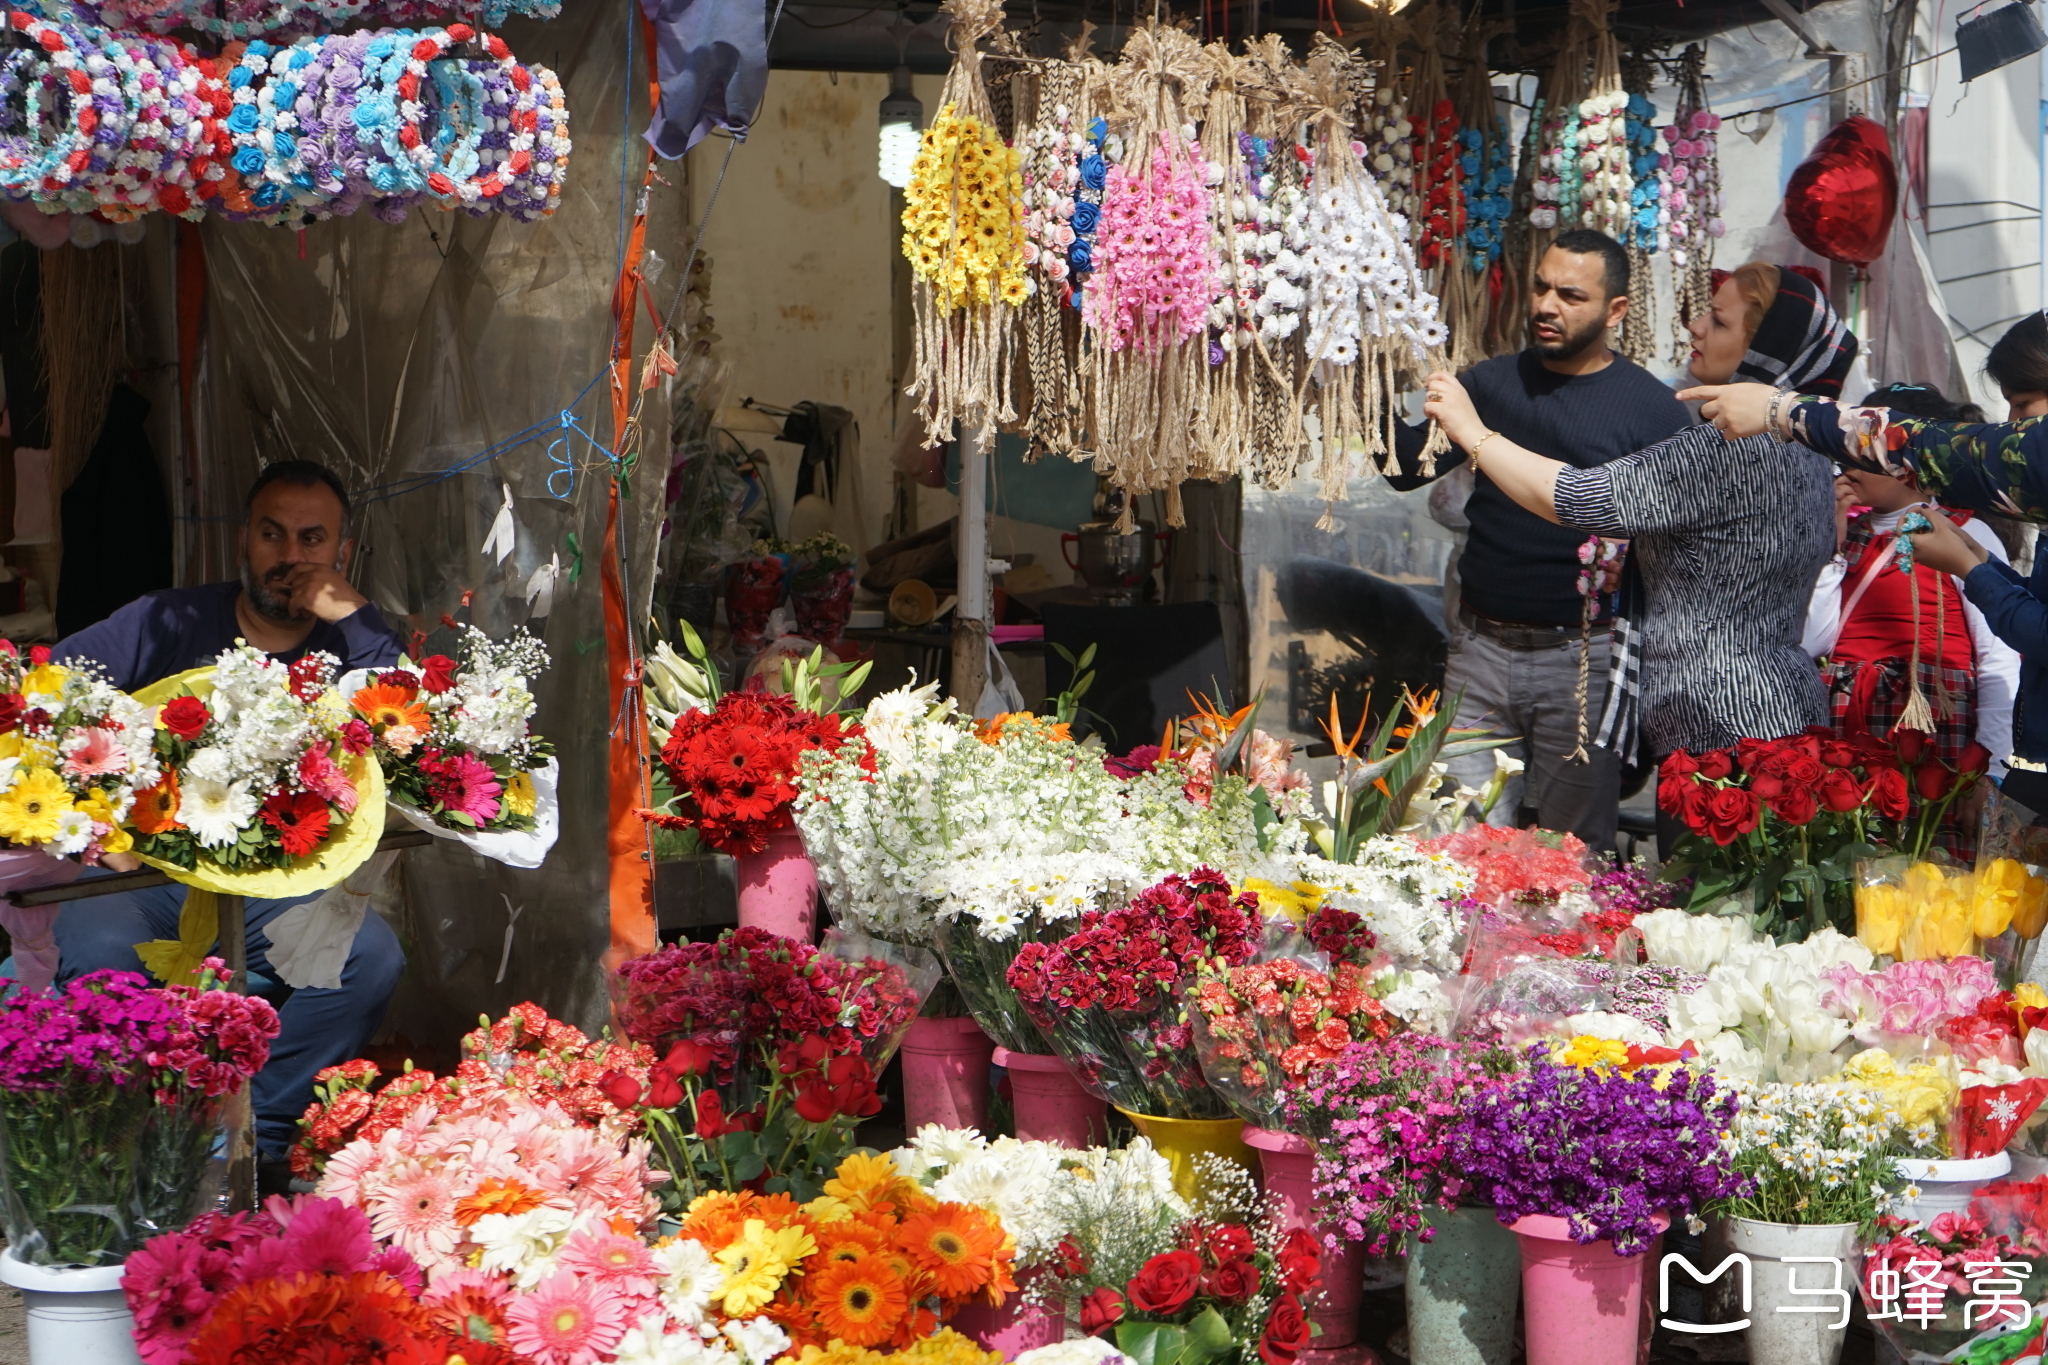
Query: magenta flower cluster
pixel 1154 272
pixel 1381 1113
pixel 1632 891
pixel 100 1028
pixel 1607 1152
pixel 221 1038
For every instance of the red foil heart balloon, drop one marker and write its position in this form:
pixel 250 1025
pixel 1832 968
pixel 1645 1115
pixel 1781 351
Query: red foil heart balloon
pixel 1842 199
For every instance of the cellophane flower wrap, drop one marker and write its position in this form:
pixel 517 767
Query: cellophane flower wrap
pixel 526 1053
pixel 1381 1114
pixel 1965 1276
pixel 769 1051
pixel 1814 1154
pixel 1218 1277
pixel 251 773
pixel 979 842
pixel 453 737
pixel 1260 1028
pixel 735 766
pixel 110 1099
pixel 1108 995
pixel 74 752
pixel 1603 1148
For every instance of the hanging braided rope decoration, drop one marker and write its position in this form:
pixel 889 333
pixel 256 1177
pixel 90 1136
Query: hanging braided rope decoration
pixel 963 233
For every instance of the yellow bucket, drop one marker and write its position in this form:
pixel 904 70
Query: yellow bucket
pixel 1180 1141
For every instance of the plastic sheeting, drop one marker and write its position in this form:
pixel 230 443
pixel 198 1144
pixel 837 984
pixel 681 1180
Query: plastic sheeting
pixel 397 355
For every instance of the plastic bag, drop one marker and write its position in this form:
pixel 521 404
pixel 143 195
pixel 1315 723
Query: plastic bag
pixel 980 967
pixel 2011 896
pixel 1962 1288
pixel 1916 911
pixel 891 983
pixel 1517 985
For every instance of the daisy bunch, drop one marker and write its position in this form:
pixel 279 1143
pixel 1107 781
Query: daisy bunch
pixel 454 738
pixel 253 773
pixel 74 751
pixel 525 1053
pixel 1821 1153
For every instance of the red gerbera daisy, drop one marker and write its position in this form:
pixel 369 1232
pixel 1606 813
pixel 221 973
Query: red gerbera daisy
pixel 300 819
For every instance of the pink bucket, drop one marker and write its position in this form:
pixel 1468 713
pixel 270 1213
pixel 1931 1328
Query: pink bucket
pixel 1288 1164
pixel 945 1074
pixel 1015 1327
pixel 779 888
pixel 1581 1305
pixel 1049 1104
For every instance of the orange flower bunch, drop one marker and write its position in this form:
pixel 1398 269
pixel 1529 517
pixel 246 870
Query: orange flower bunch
pixel 874 1262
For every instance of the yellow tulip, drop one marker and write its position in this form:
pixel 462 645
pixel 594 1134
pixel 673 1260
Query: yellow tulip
pixel 1999 885
pixel 2031 914
pixel 1880 916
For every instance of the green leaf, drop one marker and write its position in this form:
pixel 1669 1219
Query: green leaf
pixel 748 1167
pixel 1209 1338
pixel 1151 1343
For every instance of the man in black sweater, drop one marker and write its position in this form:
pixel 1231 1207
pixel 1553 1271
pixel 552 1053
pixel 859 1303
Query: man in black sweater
pixel 1515 654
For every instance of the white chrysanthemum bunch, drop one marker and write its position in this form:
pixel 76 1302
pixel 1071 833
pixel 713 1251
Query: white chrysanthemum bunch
pixel 1362 280
pixel 261 728
pixel 1010 1178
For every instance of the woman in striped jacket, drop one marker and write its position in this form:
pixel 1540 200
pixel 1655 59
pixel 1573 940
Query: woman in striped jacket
pixel 1721 567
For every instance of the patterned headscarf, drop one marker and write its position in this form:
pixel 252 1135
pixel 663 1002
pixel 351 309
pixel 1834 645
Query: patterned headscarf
pixel 1802 343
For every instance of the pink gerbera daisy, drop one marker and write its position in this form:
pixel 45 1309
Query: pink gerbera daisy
pixel 323 777
pixel 624 1262
pixel 415 1209
pixel 566 1321
pixel 92 751
pixel 463 785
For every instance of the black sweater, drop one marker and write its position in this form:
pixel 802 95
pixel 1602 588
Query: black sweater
pixel 1516 566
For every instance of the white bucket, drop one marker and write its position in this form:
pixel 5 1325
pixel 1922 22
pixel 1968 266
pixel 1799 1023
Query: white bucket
pixel 1783 1329
pixel 1948 1186
pixel 74 1316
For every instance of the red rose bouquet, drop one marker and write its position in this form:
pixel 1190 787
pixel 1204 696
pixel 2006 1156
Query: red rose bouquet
pixel 1221 1289
pixel 1108 995
pixel 769 1052
pixel 734 767
pixel 1783 821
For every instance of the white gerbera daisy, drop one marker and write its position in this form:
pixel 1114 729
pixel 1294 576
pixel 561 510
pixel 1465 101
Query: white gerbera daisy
pixel 216 812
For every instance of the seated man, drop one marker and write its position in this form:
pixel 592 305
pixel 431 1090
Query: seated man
pixel 292 599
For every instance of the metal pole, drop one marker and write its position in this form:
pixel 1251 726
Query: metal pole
pixel 970 613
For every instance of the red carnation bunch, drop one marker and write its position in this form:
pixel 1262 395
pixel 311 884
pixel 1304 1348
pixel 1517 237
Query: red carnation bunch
pixel 735 766
pixel 1108 994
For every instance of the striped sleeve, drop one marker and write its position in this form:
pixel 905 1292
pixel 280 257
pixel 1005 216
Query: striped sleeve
pixel 1585 500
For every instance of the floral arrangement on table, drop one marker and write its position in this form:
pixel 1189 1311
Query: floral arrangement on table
pixel 735 766
pixel 1108 994
pixel 1381 1114
pixel 1782 822
pixel 1217 1281
pixel 982 842
pixel 1609 1150
pixel 770 1051
pixel 250 779
pixel 453 738
pixel 526 1054
pixel 1814 1154
pixel 74 751
pixel 111 1096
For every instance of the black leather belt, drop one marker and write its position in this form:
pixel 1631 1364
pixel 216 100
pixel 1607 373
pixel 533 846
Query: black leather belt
pixel 1514 635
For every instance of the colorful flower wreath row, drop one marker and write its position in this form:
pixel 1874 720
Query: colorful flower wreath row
pixel 120 123
pixel 275 18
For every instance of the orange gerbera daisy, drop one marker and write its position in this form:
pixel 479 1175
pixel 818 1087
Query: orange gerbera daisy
pixel 497 1196
pixel 953 1246
pixel 156 808
pixel 860 1302
pixel 851 1240
pixel 716 1218
pixel 864 1180
pixel 388 706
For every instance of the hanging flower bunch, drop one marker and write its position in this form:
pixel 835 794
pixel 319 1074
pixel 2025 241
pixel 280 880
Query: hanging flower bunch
pixel 1605 178
pixel 452 738
pixel 1389 149
pixel 1270 222
pixel 964 235
pixel 1048 164
pixel 526 1053
pixel 1650 228
pixel 1097 151
pixel 1692 172
pixel 1486 168
pixel 256 773
pixel 1441 219
pixel 1154 267
pixel 272 18
pixel 74 751
pixel 1546 190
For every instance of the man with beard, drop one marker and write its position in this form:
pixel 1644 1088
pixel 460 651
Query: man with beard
pixel 1514 661
pixel 292 600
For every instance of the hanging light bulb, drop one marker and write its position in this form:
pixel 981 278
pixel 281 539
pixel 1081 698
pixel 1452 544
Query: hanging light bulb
pixel 902 116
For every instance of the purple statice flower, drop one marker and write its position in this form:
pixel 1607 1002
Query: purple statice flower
pixel 100 1028
pixel 1605 1151
pixel 1381 1113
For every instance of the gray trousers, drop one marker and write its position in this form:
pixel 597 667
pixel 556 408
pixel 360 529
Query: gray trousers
pixel 1531 695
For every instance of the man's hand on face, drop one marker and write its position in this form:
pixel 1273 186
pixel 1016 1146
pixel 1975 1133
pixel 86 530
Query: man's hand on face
pixel 319 590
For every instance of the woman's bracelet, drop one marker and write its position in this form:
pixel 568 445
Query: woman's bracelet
pixel 1774 420
pixel 1474 451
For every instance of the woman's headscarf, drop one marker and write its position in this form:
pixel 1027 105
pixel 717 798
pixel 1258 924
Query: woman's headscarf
pixel 1802 343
